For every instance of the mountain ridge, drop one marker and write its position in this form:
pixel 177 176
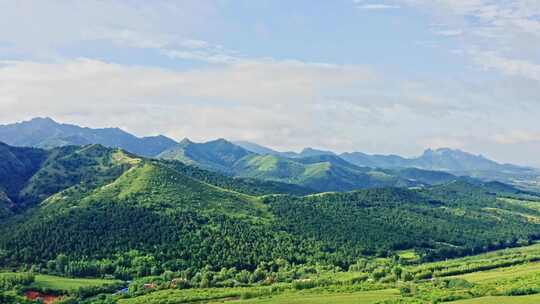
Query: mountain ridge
pixel 47 133
pixel 221 155
pixel 315 169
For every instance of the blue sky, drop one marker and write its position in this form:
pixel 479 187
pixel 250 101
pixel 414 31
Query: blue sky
pixel 395 76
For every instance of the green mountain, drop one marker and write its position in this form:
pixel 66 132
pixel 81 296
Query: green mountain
pixel 322 173
pixel 251 186
pixel 452 161
pixel 314 169
pixel 5 205
pixel 29 176
pixel 218 154
pixel 261 150
pixel 236 159
pixel 47 133
pixel 427 177
pixel 99 204
pixel 17 166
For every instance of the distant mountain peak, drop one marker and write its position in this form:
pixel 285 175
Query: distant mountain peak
pixel 186 141
pixel 442 150
pixel 451 152
pixel 314 152
pixel 42 119
pixel 221 141
pixel 44 132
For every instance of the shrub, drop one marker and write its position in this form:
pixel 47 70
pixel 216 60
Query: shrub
pixel 359 279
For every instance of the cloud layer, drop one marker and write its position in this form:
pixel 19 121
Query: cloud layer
pixel 166 71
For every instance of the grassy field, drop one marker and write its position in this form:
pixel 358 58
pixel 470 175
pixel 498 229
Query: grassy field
pixel 408 255
pixel 533 299
pixel 365 297
pixel 502 273
pixel 66 284
pixel 235 295
pixel 63 284
pixel 477 263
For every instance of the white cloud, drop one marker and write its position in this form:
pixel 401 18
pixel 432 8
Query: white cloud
pixel 448 32
pixel 377 6
pixel 287 104
pixel 283 103
pixel 500 35
pixel 195 44
pixel 40 28
pixel 513 67
pixel 251 97
pixel 517 137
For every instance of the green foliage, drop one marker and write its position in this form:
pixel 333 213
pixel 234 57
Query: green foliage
pixel 11 280
pixel 17 166
pixel 250 186
pixel 214 155
pixel 322 172
pixel 379 220
pixel 318 171
pixel 66 167
pixel 109 213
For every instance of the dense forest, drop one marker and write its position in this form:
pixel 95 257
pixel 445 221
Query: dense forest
pixel 104 211
pixel 104 214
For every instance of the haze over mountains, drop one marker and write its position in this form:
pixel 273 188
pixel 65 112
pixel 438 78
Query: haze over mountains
pixel 315 169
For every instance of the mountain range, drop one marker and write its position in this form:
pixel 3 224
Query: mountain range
pixel 97 203
pixel 215 205
pixel 311 168
pixel 321 172
pixel 47 133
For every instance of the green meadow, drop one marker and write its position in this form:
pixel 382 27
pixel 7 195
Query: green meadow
pixel 367 297
pixel 534 299
pixel 66 285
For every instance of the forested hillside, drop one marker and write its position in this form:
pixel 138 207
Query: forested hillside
pixel 17 166
pixel 98 204
pixel 218 155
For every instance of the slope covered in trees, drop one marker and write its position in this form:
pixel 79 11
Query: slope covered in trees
pixel 17 166
pixel 98 204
